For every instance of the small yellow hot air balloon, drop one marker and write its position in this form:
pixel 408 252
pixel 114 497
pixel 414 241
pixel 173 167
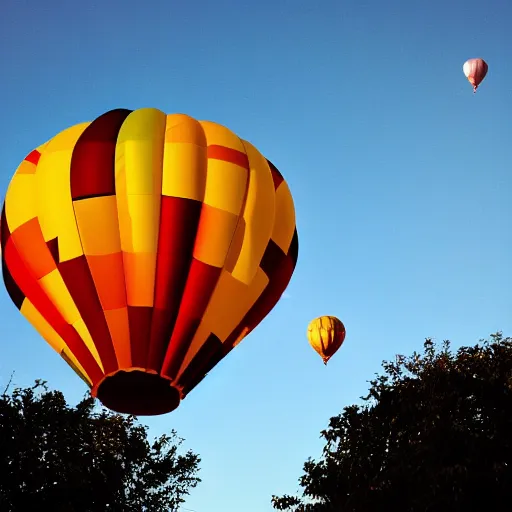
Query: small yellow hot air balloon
pixel 326 335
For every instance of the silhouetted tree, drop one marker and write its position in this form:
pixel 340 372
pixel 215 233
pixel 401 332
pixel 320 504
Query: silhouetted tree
pixel 434 434
pixel 80 459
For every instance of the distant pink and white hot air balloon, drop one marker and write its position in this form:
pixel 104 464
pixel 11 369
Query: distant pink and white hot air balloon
pixel 475 71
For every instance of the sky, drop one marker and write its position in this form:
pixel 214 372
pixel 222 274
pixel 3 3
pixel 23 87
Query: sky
pixel 401 178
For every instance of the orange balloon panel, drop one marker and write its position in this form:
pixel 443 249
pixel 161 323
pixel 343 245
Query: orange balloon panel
pixel 144 247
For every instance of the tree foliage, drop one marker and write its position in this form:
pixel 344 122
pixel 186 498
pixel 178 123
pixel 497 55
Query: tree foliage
pixel 80 459
pixel 433 434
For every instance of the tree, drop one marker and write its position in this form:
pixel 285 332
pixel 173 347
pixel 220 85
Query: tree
pixel 433 434
pixel 81 459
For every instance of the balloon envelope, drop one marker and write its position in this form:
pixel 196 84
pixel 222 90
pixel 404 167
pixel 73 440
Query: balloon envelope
pixel 326 334
pixel 475 71
pixel 144 247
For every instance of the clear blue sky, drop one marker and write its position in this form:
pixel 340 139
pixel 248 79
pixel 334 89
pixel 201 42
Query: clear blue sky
pixel 401 179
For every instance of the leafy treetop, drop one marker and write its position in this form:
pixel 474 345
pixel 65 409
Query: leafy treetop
pixel 434 433
pixel 79 459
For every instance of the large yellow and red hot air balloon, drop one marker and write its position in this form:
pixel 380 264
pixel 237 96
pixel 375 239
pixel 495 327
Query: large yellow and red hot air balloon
pixel 144 247
pixel 475 71
pixel 326 334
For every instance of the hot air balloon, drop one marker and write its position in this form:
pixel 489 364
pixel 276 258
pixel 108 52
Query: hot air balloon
pixel 144 247
pixel 326 335
pixel 475 71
